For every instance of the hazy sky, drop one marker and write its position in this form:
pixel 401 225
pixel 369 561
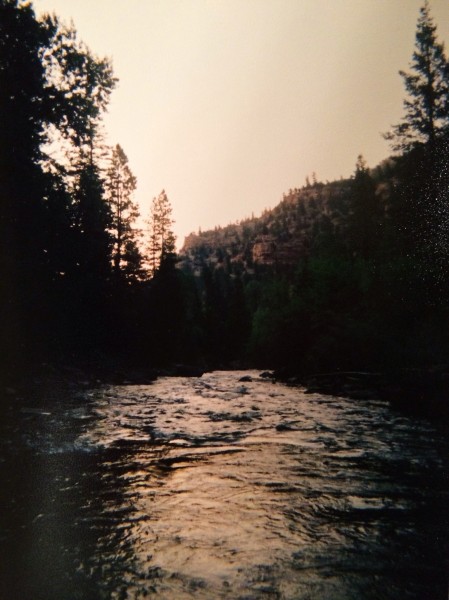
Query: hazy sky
pixel 226 104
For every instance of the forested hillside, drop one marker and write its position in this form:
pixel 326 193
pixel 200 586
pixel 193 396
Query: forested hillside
pixel 347 274
pixel 300 225
pixel 350 274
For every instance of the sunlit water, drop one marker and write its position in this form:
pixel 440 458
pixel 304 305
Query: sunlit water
pixel 215 488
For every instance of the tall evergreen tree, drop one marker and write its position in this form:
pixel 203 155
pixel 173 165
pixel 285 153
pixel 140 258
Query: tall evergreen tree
pixel 365 218
pixel 419 211
pixel 427 85
pixel 161 243
pixel 120 185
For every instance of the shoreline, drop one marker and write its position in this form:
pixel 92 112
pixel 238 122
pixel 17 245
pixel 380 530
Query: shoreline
pixel 421 392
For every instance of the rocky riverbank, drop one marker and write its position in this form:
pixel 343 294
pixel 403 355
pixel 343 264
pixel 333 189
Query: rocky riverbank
pixel 423 392
pixel 419 391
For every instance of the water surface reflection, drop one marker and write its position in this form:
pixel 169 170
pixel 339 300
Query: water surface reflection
pixel 217 488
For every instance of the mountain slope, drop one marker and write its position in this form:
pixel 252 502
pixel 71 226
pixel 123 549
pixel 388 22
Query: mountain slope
pixel 286 233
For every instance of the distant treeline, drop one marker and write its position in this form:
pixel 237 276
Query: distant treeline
pixel 344 275
pixel 366 288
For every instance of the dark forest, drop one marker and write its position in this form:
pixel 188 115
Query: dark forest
pixel 340 276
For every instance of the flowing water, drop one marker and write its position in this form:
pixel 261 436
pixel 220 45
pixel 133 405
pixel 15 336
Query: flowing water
pixel 214 487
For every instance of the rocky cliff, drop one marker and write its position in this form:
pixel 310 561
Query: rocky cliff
pixel 304 220
pixel 281 235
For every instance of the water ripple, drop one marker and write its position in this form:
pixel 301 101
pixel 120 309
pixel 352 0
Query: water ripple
pixel 208 488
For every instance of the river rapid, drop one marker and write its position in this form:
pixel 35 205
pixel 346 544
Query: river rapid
pixel 216 488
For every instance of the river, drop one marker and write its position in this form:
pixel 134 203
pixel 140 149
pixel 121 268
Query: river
pixel 217 488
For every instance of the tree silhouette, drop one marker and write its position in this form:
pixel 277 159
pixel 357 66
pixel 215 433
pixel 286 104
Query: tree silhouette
pixel 365 218
pixel 120 185
pixel 161 243
pixel 23 256
pixel 427 85
pixel 54 243
pixel 79 85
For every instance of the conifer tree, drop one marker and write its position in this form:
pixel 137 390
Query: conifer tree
pixel 365 218
pixel 427 85
pixel 419 210
pixel 120 185
pixel 161 244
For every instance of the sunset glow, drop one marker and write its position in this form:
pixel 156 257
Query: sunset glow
pixel 226 105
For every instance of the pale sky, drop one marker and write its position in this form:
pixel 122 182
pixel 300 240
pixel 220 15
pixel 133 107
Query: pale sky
pixel 227 104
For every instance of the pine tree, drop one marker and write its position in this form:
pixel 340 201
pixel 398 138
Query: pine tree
pixel 161 244
pixel 419 212
pixel 120 185
pixel 365 218
pixel 426 107
pixel 91 223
